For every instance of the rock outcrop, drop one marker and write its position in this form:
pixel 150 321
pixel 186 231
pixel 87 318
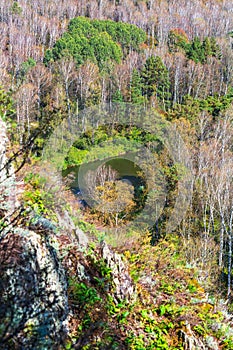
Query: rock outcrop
pixel 124 287
pixel 34 303
pixel 33 285
pixel 67 226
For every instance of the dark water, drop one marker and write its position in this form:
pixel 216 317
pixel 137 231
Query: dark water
pixel 127 170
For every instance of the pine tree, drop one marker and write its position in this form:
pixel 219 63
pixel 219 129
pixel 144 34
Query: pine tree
pixel 196 51
pixel 216 51
pixel 6 104
pixel 117 96
pixel 136 88
pixel 155 80
pixel 207 47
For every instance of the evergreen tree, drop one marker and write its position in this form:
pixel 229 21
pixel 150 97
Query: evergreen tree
pixel 196 51
pixel 6 105
pixel 136 88
pixel 207 47
pixel 216 51
pixel 177 39
pixel 155 80
pixel 117 96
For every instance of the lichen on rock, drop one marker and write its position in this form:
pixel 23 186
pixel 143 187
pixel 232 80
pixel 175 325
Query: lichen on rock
pixel 124 287
pixel 33 292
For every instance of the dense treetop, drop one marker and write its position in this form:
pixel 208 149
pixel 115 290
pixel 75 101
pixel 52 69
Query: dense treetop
pixel 96 40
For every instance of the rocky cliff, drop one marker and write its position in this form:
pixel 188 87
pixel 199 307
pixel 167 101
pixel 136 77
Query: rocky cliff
pixel 33 284
pixel 62 288
pixel 35 266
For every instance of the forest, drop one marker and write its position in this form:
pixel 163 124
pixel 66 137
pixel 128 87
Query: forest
pixel 116 174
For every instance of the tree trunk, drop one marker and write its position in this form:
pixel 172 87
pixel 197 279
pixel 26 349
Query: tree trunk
pixel 229 264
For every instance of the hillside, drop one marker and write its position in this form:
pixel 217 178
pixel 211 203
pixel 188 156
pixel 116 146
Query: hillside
pixel 116 174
